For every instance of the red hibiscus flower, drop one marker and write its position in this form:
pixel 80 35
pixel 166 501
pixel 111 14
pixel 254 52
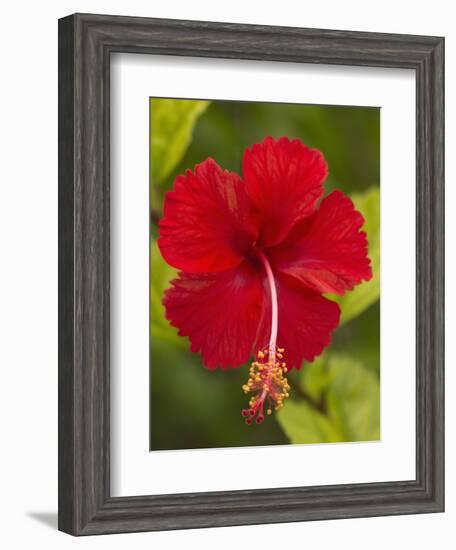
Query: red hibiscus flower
pixel 256 256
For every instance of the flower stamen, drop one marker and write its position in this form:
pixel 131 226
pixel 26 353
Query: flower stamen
pixel 267 373
pixel 267 380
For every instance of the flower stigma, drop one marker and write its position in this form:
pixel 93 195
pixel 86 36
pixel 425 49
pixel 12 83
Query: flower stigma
pixel 267 379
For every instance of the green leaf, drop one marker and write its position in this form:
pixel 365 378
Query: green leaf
pixel 353 399
pixel 314 378
pixel 160 276
pixel 355 302
pixel 342 403
pixel 171 127
pixel 303 423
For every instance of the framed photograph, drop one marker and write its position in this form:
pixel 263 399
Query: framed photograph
pixel 251 274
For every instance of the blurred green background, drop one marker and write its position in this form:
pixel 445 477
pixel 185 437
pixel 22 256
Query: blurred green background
pixel 335 398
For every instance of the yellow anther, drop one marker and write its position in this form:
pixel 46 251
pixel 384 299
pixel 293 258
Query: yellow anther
pixel 267 383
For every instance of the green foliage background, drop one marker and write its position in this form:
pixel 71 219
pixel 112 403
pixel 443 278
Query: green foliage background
pixel 335 398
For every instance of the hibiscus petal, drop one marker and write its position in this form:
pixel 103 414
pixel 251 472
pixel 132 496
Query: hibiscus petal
pixel 328 252
pixel 207 224
pixel 285 179
pixel 219 313
pixel 306 321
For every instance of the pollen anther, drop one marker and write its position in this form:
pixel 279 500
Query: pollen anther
pixel 268 382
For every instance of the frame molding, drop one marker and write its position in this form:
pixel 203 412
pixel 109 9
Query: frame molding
pixel 85 45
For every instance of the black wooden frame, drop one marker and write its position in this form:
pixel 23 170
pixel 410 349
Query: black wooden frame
pixel 85 45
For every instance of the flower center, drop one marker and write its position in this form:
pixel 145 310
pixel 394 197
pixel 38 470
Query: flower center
pixel 267 379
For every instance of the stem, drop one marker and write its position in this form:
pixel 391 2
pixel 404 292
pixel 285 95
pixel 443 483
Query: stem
pixel 273 291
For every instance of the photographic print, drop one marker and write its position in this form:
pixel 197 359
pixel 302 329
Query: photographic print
pixel 264 274
pixel 259 254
